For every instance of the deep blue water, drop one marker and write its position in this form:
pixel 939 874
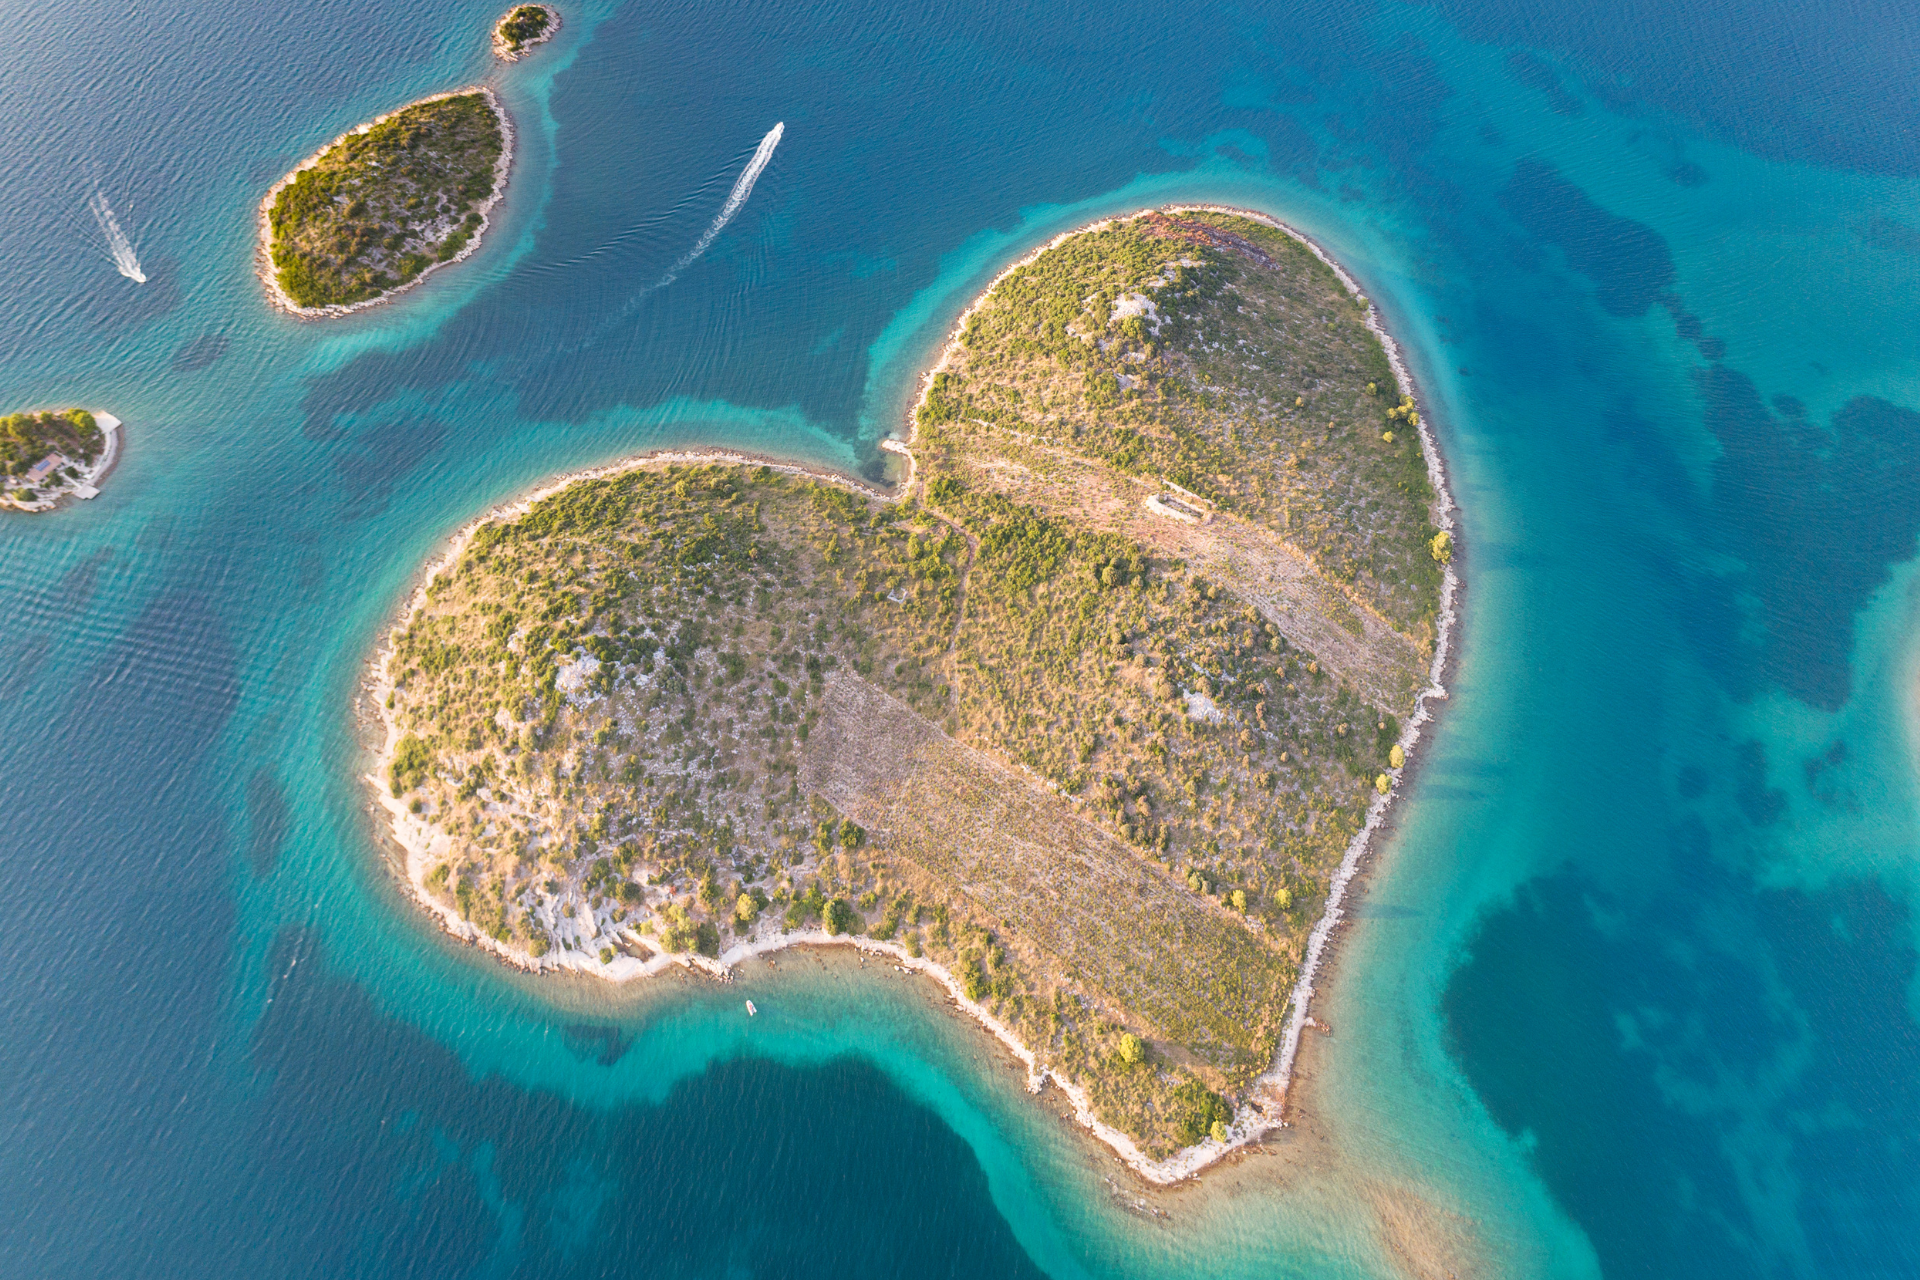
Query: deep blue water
pixel 1632 991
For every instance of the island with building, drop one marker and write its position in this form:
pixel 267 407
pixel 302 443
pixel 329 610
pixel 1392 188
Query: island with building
pixel 1087 715
pixel 385 204
pixel 523 27
pixel 49 456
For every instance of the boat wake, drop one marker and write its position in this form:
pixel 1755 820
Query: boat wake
pixel 736 200
pixel 742 188
pixel 119 248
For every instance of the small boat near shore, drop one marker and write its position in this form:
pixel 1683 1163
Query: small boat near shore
pixel 751 1011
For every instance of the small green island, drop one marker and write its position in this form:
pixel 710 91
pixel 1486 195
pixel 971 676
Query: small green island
pixel 1085 717
pixel 378 208
pixel 51 455
pixel 521 28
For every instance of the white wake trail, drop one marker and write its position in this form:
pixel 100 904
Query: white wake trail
pixel 742 188
pixel 118 245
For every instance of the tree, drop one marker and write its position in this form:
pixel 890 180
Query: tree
pixel 1441 547
pixel 840 917
pixel 680 935
pixel 1195 1110
pixel 973 976
pixel 1133 1050
pixel 411 761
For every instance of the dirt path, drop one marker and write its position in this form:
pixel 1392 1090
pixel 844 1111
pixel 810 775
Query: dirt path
pixel 966 573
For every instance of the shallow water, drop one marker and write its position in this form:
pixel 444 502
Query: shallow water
pixel 1632 986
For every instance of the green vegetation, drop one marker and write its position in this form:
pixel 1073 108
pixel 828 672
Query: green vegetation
pixel 27 440
pixel 1071 748
pixel 411 762
pixel 521 28
pixel 380 207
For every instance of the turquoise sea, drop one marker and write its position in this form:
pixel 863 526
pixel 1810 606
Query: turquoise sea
pixel 1631 991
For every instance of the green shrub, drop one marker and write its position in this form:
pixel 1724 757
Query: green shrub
pixel 972 975
pixel 411 763
pixel 1194 1110
pixel 526 23
pixel 840 917
pixel 680 934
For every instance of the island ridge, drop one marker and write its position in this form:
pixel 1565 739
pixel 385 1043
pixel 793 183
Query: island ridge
pixel 1088 714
